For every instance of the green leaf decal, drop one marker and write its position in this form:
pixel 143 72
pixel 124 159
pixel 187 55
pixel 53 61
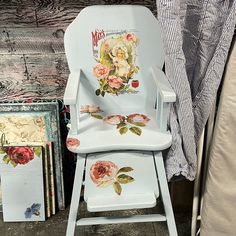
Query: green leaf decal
pixel 136 130
pixel 139 123
pixel 120 125
pixel 123 130
pixel 2 150
pixel 125 179
pixel 13 163
pixel 97 116
pixel 6 159
pixel 37 151
pixel 117 188
pixel 125 169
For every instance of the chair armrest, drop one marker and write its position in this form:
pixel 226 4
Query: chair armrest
pixel 72 88
pixel 163 86
pixel 165 95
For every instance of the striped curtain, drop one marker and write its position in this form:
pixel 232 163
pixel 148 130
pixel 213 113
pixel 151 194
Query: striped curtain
pixel 197 35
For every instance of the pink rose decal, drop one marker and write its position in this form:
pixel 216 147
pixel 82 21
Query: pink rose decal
pixel 72 143
pixel 90 109
pixel 103 173
pixel 130 37
pixel 115 82
pixel 101 71
pixel 20 155
pixel 138 118
pixel 114 120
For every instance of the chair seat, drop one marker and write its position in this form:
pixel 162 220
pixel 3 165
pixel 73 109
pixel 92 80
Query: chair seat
pixel 133 172
pixel 100 132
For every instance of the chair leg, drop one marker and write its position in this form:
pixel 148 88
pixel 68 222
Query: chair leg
pixel 74 206
pixel 165 194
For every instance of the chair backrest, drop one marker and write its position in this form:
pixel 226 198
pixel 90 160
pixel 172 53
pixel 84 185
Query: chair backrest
pixel 115 47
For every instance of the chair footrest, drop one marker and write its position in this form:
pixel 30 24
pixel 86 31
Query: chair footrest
pixel 97 204
pixel 121 219
pixel 120 181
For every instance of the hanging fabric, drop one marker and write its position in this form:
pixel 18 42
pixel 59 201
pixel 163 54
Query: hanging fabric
pixel 197 37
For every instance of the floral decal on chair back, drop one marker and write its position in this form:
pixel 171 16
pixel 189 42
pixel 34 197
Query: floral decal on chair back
pixel 115 55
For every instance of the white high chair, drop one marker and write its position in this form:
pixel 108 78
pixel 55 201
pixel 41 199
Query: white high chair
pixel 119 104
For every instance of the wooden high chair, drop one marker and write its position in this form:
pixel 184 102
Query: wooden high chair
pixel 119 104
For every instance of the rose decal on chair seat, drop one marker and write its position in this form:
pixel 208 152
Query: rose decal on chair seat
pixel 103 173
pixel 106 173
pixel 115 66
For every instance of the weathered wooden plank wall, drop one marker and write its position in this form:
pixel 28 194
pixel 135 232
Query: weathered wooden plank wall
pixel 32 59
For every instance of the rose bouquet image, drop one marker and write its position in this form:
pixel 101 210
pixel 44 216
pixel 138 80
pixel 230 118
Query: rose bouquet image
pixel 132 122
pixel 106 173
pixel 115 66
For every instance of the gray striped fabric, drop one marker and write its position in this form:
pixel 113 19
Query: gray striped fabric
pixel 197 36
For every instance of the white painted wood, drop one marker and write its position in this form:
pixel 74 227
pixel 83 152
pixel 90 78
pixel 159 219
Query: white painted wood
pixel 92 43
pixel 162 84
pixel 74 206
pixel 111 21
pixel 141 193
pixel 96 135
pixel 165 194
pixel 121 219
pixel 135 201
pixel 72 88
pixel 22 187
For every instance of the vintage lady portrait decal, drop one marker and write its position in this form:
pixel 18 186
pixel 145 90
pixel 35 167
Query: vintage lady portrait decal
pixel 115 62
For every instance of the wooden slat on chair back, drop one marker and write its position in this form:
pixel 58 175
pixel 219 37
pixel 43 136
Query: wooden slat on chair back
pixel 115 46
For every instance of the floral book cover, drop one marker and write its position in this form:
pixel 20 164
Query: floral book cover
pixel 22 183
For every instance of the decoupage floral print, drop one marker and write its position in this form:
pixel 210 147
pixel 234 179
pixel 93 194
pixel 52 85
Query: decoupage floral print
pixel 116 62
pixel 132 122
pixel 33 210
pixel 72 143
pixel 106 173
pixel 19 155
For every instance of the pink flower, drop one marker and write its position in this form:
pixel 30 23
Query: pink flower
pixel 115 82
pixel 101 71
pixel 20 155
pixel 106 46
pixel 130 37
pixel 103 173
pixel 90 109
pixel 138 118
pixel 114 120
pixel 72 143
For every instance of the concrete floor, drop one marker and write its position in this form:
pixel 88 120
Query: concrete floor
pixel 56 225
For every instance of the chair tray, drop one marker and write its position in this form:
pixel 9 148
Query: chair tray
pixel 120 180
pixel 95 135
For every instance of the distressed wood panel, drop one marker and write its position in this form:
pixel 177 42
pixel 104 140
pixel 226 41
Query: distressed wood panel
pixel 59 13
pixel 31 40
pixel 32 76
pixel 63 12
pixel 17 13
